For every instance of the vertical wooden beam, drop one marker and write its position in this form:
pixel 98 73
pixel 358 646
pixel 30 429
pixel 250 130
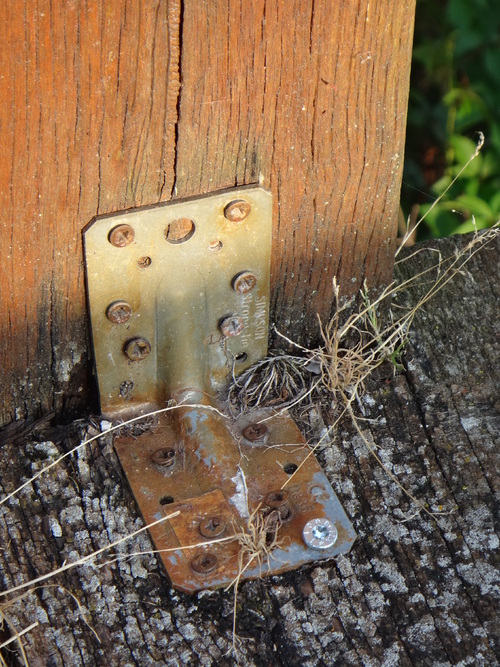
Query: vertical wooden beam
pixel 306 96
pixel 87 114
pixel 309 98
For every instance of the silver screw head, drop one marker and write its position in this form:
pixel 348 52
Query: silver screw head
pixel 320 534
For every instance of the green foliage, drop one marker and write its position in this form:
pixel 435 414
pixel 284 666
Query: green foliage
pixel 454 93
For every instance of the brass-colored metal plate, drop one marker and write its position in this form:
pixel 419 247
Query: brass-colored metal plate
pixel 177 291
pixel 179 297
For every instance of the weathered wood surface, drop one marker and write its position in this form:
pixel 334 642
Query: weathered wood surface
pixel 109 105
pixel 421 592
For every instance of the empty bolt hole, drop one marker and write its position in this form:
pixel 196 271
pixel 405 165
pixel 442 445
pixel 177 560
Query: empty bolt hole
pixel 179 231
pixel 241 357
pixel 215 246
pixel 166 500
pixel 290 468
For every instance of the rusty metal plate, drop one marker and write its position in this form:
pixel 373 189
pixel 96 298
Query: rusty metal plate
pixel 179 297
pixel 216 481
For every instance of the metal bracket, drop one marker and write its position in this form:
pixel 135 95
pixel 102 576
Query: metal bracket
pixel 179 301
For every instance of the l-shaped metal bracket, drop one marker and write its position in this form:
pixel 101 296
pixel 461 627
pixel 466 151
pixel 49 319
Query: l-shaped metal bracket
pixel 179 302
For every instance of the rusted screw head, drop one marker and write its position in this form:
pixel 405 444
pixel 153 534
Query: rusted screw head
pixel 276 499
pixel 204 563
pixel 237 210
pixel 232 326
pixel 144 262
pixel 215 246
pixel 119 312
pixel 278 502
pixel 121 236
pixel 257 433
pixel 244 282
pixel 164 457
pixel 212 526
pixel 137 349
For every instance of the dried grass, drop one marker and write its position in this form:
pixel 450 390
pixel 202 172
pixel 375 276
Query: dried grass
pixel 257 540
pixel 278 380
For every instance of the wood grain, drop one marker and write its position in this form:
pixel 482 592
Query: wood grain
pixel 309 98
pixel 88 112
pixel 105 106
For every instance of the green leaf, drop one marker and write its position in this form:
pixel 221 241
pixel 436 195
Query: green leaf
pixel 472 225
pixel 463 149
pixel 495 204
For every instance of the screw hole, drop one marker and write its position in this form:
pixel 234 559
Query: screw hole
pixel 179 231
pixel 126 388
pixel 164 457
pixel 290 468
pixel 144 262
pixel 241 357
pixel 215 246
pixel 166 500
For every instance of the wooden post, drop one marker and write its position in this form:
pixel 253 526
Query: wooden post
pixel 105 106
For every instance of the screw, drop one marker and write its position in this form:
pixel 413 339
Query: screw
pixel 119 312
pixel 121 236
pixel 256 433
pixel 278 501
pixel 237 210
pixel 244 282
pixel 164 457
pixel 137 349
pixel 204 563
pixel 126 388
pixel 232 326
pixel 319 534
pixel 215 246
pixel 144 262
pixel 212 526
